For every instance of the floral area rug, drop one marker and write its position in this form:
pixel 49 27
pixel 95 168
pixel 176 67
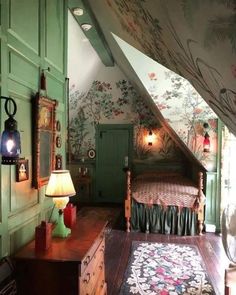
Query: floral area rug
pixel 165 269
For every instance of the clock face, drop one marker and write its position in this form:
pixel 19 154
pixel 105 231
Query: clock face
pixel 91 154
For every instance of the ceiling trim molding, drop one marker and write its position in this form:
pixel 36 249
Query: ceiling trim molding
pixel 94 34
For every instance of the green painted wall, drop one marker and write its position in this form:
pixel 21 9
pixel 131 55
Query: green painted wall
pixel 33 36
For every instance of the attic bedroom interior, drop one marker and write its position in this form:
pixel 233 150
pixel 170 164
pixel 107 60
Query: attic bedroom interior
pixel 118 147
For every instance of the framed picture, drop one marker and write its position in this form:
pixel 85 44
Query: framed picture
pixel 22 170
pixel 58 163
pixel 58 126
pixel 44 140
pixel 58 141
pixel 91 154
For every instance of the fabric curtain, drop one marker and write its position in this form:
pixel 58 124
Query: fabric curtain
pixel 163 220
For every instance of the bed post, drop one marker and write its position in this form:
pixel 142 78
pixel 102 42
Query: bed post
pixel 201 201
pixel 128 202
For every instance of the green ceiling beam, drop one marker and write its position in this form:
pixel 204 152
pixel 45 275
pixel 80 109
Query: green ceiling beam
pixel 95 34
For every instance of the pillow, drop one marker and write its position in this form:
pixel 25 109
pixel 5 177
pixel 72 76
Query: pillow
pixel 157 174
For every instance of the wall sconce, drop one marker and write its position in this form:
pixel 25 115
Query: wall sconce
pixel 10 141
pixel 60 187
pixel 206 141
pixel 150 138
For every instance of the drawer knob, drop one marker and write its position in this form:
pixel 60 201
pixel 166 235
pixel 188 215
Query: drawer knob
pixel 102 248
pixel 101 266
pixel 87 260
pixel 87 279
pixel 102 284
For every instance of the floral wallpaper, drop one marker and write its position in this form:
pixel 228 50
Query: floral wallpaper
pixel 116 102
pixel 195 39
pixel 186 112
pixel 179 103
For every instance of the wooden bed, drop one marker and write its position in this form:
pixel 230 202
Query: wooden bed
pixel 164 203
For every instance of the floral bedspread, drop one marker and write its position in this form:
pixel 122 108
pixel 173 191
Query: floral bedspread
pixel 165 191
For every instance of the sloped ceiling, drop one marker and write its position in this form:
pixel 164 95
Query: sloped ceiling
pixel 177 100
pixel 196 39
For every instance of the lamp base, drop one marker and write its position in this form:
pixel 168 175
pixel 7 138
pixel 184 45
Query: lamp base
pixel 61 230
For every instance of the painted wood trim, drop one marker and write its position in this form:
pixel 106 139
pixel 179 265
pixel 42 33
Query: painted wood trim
pixel 218 180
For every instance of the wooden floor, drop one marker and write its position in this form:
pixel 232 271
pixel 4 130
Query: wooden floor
pixel 118 244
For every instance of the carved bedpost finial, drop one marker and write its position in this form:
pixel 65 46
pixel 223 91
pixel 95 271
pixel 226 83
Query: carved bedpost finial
pixel 201 200
pixel 200 179
pixel 128 202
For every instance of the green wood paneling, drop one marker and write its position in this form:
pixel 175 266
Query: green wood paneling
pixel 219 160
pixel 54 39
pixel 23 70
pixel 25 125
pixel 32 36
pixel 0 54
pixel 211 192
pixel 24 22
pixel 15 89
pixel 16 45
pixel 16 221
pixel 56 88
pixel 213 188
pixel 23 234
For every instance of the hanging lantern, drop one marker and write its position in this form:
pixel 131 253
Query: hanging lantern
pixel 10 140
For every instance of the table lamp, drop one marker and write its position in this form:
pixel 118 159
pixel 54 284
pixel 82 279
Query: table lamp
pixel 60 187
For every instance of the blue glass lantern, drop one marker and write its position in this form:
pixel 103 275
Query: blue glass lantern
pixel 10 141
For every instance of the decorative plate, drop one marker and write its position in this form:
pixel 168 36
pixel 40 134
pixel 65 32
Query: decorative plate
pixel 91 154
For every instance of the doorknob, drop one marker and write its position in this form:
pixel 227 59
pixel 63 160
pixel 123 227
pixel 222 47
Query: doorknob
pixel 126 166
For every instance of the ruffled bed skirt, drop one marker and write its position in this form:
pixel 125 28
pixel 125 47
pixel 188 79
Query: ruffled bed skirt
pixel 169 220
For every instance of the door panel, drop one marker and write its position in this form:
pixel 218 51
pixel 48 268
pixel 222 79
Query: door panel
pixel 113 145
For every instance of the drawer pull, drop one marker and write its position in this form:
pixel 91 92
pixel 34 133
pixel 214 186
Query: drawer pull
pixel 87 260
pixel 102 284
pixel 87 279
pixel 102 248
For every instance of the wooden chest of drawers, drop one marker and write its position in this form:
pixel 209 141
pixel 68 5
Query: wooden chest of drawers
pixel 74 265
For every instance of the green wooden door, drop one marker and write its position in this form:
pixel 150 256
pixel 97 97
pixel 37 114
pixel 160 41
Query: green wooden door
pixel 113 145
